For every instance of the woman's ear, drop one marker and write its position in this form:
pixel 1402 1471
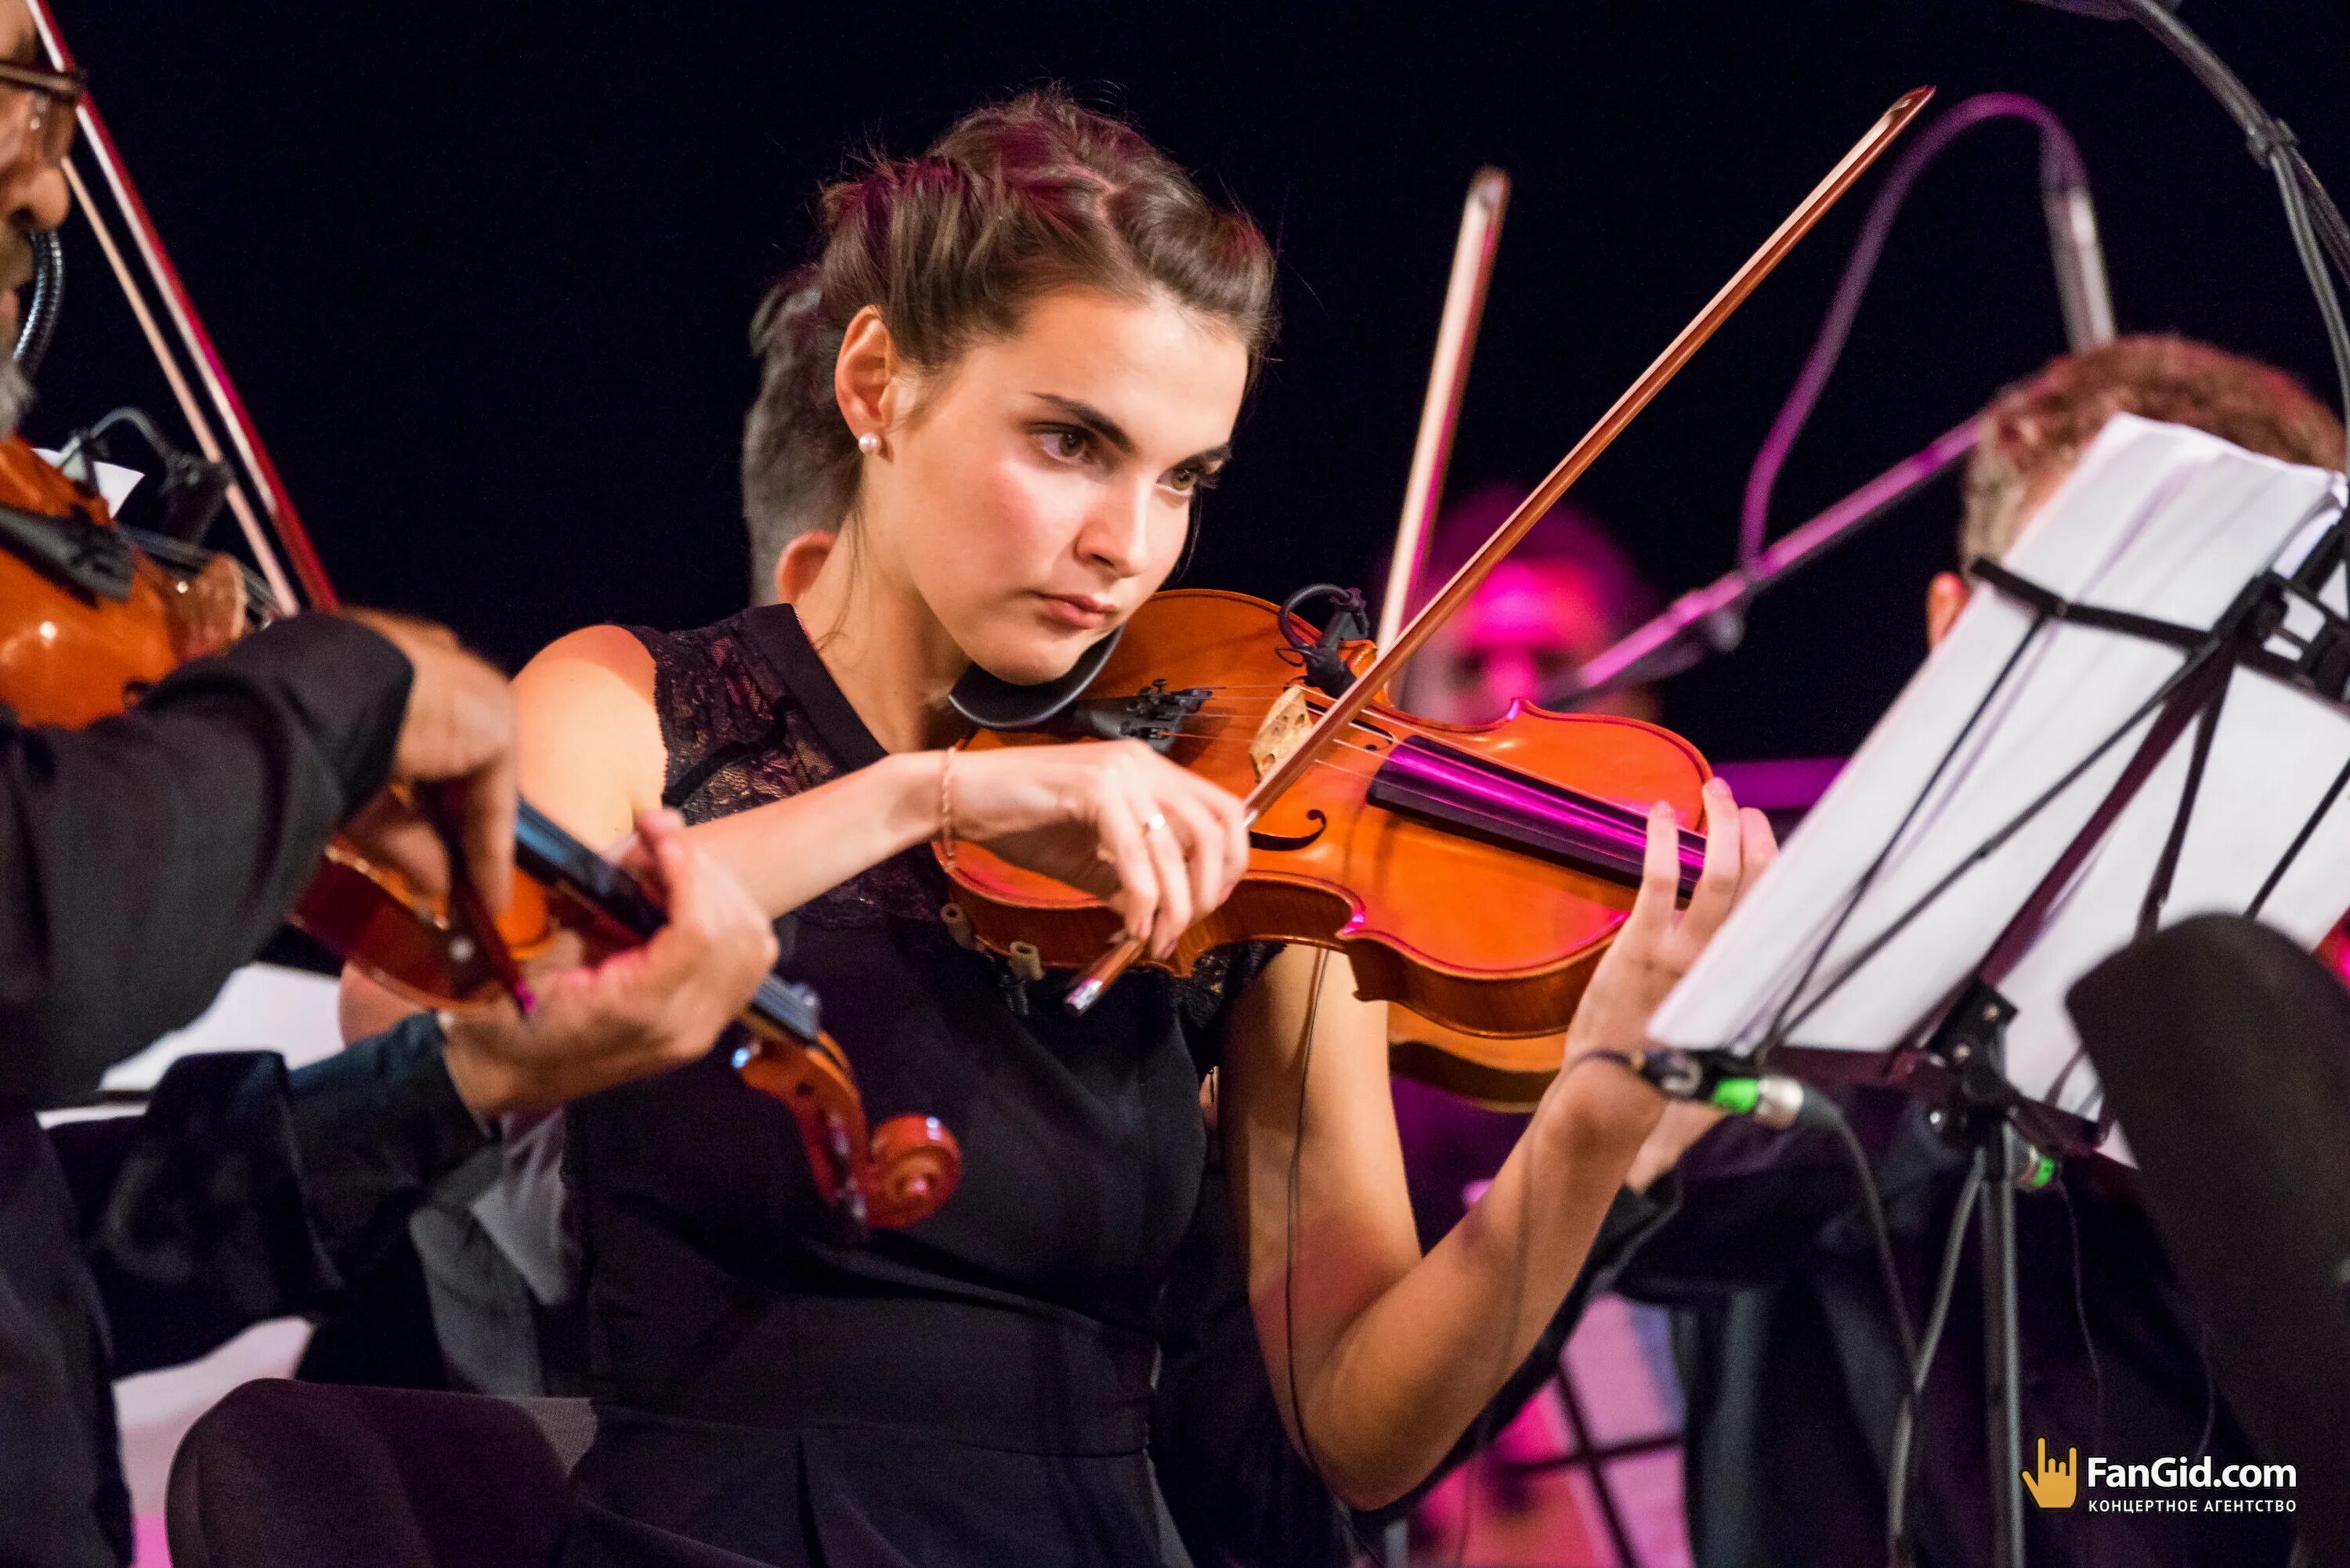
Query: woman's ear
pixel 1946 595
pixel 865 373
pixel 801 560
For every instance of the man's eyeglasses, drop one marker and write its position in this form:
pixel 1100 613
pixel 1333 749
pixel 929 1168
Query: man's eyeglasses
pixel 36 112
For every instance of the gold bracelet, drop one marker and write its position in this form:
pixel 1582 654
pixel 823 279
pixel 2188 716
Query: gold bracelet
pixel 946 807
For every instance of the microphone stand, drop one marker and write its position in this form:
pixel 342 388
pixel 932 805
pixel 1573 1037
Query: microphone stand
pixel 2316 222
pixel 1710 619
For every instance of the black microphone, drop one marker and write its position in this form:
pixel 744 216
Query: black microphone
pixel 2081 287
pixel 1772 1099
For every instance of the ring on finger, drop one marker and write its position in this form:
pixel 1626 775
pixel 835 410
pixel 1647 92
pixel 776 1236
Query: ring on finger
pixel 1158 820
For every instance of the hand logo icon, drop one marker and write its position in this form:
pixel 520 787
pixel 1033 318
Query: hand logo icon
pixel 2056 1485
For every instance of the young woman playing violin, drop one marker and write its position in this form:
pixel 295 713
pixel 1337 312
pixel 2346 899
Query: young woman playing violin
pixel 1025 352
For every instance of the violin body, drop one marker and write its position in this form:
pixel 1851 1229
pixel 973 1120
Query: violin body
pixel 91 622
pixel 1471 874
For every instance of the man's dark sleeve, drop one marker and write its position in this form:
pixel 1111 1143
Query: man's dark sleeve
pixel 246 1192
pixel 1750 1202
pixel 145 857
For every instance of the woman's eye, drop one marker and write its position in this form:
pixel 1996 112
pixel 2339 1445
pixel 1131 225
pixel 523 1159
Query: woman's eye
pixel 1183 480
pixel 1060 441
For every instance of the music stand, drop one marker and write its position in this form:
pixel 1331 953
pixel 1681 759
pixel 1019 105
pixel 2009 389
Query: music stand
pixel 2026 809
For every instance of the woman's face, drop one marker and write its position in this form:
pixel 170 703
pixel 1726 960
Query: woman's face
pixel 1039 489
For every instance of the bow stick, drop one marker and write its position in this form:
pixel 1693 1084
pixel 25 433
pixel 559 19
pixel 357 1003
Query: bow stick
pixel 1344 711
pixel 1448 380
pixel 276 517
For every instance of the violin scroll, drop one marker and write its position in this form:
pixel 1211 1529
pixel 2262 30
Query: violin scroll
pixel 449 953
pixel 898 1173
pixel 916 1164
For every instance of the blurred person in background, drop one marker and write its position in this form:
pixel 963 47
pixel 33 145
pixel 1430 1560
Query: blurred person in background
pixel 1784 1326
pixel 1564 596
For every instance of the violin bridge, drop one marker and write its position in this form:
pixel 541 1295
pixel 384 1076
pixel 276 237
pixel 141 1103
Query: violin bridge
pixel 1284 728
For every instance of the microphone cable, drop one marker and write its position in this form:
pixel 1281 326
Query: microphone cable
pixel 1900 1469
pixel 48 298
pixel 2080 274
pixel 1783 1103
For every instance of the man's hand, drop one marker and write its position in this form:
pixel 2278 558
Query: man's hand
pixel 641 1012
pixel 456 740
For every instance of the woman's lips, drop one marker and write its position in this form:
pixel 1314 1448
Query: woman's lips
pixel 1077 610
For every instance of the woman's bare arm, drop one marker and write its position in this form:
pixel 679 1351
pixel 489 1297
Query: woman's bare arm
pixel 592 757
pixel 1089 814
pixel 1391 1355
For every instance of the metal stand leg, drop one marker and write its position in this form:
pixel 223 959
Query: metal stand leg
pixel 2002 1373
pixel 1972 1042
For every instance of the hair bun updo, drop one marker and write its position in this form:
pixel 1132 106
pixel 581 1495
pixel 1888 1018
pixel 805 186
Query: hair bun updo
pixel 1016 200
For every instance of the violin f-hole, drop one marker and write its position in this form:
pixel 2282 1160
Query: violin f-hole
pixel 1285 841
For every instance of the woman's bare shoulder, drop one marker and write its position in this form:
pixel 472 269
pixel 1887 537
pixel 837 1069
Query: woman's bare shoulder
pixel 594 658
pixel 591 743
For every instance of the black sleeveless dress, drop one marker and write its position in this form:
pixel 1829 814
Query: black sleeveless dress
pixel 974 1389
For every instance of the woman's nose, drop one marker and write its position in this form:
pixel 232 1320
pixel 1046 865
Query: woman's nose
pixel 1118 531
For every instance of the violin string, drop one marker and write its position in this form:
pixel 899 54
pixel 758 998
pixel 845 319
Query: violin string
pixel 1211 723
pixel 1377 758
pixel 1206 725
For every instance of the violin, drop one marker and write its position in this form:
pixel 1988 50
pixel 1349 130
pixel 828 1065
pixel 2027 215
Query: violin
pixel 1473 875
pixel 89 620
pixel 92 620
pixel 452 953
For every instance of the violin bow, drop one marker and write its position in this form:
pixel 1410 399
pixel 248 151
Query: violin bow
pixel 1343 711
pixel 1448 381
pixel 195 363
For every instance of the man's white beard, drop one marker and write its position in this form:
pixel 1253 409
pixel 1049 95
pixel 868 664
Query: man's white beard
pixel 15 397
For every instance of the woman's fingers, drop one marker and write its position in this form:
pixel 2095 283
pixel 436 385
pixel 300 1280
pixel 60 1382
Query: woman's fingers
pixel 1652 908
pixel 1041 805
pixel 1205 847
pixel 1757 846
pixel 1121 850
pixel 1719 883
pixel 1167 858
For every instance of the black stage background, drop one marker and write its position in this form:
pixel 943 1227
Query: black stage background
pixel 482 272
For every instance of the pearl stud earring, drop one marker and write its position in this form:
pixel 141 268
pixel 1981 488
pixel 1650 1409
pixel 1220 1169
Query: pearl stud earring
pixel 868 444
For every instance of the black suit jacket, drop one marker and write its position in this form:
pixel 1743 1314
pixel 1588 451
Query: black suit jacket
pixel 141 860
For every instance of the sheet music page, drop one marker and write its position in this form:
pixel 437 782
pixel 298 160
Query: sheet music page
pixel 2157 520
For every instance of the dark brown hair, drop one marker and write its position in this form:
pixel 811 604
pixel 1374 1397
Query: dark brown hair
pixel 1015 201
pixel 2041 424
